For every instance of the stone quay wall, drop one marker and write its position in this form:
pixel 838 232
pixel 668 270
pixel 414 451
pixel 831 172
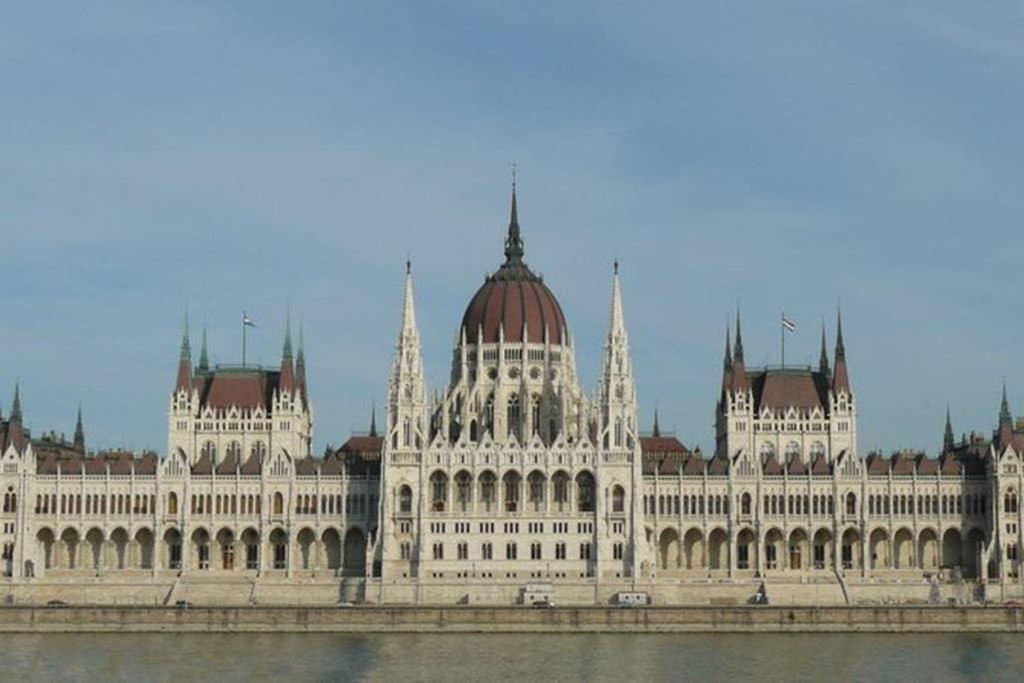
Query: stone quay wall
pixel 767 619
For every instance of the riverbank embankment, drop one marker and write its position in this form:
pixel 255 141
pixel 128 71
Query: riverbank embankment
pixel 424 619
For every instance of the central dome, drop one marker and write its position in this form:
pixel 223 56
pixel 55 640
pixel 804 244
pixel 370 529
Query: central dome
pixel 515 299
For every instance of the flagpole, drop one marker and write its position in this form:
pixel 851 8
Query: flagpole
pixel 243 337
pixel 782 329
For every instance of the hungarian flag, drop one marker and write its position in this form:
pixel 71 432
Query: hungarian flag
pixel 247 321
pixel 787 323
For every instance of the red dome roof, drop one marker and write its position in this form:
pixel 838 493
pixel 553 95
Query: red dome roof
pixel 513 297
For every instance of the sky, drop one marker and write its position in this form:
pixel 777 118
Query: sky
pixel 274 156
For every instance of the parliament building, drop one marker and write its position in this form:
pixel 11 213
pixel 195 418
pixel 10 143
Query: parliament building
pixel 514 479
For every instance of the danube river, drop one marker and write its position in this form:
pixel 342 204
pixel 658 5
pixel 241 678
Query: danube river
pixel 497 657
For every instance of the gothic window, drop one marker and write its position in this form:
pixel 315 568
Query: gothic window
pixel 473 436
pixel 766 450
pixel 487 489
pixel 792 451
pixel 209 451
pixel 561 482
pixel 618 431
pixel 851 503
pixel 513 415
pixel 278 504
pixel 438 490
pixel 817 449
pixel 234 449
pixel 404 499
pixel 489 414
pixel 511 480
pixel 1010 501
pixel 463 486
pixel 745 504
pixel 535 414
pixel 618 499
pixel 406 432
pixel 259 450
pixel 536 481
pixel 585 491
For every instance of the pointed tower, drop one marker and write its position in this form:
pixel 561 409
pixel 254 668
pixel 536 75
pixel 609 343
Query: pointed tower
pixel 16 404
pixel 300 368
pixel 184 382
pixel 948 440
pixel 656 433
pixel 727 363
pixel 842 405
pixel 287 382
pixel 1005 431
pixel 840 380
pixel 740 383
pixel 79 432
pixel 204 360
pixel 407 402
pixel 373 420
pixel 617 409
pixel 823 358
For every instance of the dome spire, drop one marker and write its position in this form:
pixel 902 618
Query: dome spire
pixel 514 241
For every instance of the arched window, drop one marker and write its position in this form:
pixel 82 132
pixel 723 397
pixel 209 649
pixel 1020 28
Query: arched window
pixel 438 490
pixel 463 489
pixel 406 433
pixel 766 450
pixel 513 414
pixel 405 499
pixel 535 413
pixel 209 451
pixel 618 499
pixel 487 480
pixel 792 451
pixel 851 504
pixel 489 414
pixel 585 492
pixel 278 503
pixel 817 449
pixel 561 486
pixel 1010 501
pixel 512 481
pixel 536 482
pixel 618 431
pixel 234 450
pixel 258 449
pixel 745 504
pixel 473 436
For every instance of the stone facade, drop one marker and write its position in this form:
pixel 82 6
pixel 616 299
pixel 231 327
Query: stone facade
pixel 512 475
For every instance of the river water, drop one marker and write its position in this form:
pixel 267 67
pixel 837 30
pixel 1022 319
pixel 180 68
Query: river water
pixel 500 657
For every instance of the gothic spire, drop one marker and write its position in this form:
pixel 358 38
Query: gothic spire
pixel 739 369
pixel 738 353
pixel 186 348
pixel 823 359
pixel 1005 417
pixel 727 361
pixel 287 382
pixel 287 352
pixel 657 429
pixel 16 404
pixel 184 360
pixel 408 305
pixel 514 241
pixel 948 440
pixel 79 432
pixel 840 376
pixel 373 420
pixel 204 359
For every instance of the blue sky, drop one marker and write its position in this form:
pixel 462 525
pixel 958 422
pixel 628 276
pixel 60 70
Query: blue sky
pixel 255 155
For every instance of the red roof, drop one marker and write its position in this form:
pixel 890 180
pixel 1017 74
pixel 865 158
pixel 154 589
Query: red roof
pixel 510 299
pixel 779 389
pixel 237 387
pixel 662 444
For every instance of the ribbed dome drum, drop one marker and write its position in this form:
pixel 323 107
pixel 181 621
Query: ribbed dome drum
pixel 513 297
